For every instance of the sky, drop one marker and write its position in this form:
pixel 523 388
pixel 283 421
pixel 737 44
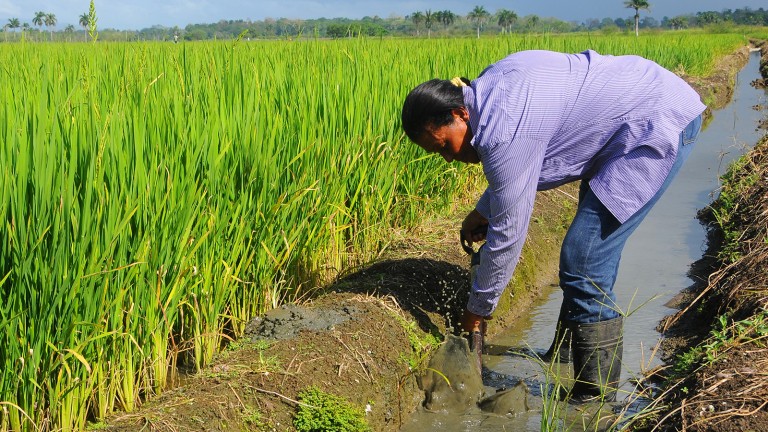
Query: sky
pixel 138 14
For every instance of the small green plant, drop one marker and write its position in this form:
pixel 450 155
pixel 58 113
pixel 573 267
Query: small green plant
pixel 259 345
pixel 740 176
pixel 723 336
pixel 252 417
pixel 323 412
pixel 97 426
pixel 422 344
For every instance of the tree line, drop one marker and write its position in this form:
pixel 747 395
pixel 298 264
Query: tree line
pixel 425 23
pixel 447 23
pixel 87 21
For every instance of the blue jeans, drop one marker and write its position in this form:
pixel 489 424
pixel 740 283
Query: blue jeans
pixel 591 251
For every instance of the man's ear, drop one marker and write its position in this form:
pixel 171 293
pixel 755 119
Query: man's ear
pixel 461 113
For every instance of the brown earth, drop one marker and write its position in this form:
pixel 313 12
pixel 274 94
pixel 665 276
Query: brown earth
pixel 370 333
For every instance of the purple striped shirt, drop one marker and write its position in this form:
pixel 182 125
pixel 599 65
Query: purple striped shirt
pixel 541 119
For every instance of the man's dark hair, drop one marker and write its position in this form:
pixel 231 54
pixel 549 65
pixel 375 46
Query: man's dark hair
pixel 430 104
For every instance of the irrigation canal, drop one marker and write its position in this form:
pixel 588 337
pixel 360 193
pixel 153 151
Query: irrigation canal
pixel 654 269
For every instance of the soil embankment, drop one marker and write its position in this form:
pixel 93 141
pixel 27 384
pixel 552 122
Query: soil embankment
pixel 365 340
pixel 379 324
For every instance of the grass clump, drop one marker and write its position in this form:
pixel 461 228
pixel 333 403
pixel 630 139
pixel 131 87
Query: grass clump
pixel 422 344
pixel 725 335
pixel 728 215
pixel 252 417
pixel 321 411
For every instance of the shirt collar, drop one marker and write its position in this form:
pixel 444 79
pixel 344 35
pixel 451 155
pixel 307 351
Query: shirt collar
pixel 474 115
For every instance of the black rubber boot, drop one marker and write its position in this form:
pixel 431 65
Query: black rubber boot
pixel 560 350
pixel 596 354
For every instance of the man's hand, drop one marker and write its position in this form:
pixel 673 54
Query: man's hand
pixel 469 227
pixel 471 323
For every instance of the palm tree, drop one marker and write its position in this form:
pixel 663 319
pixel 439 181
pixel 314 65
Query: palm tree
pixel 533 21
pixel 706 18
pixel 479 15
pixel 84 22
pixel 13 23
pixel 39 19
pixel 506 19
pixel 417 18
pixel 637 5
pixel 429 19
pixel 50 21
pixel 438 16
pixel 678 23
pixel 69 30
pixel 448 18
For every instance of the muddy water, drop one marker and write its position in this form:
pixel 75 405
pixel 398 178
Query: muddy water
pixel 654 269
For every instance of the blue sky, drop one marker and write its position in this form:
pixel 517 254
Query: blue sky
pixel 137 14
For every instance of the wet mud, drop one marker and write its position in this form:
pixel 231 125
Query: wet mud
pixel 288 320
pixel 453 383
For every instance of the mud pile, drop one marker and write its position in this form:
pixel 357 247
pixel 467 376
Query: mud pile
pixel 365 339
pixel 453 383
pixel 351 345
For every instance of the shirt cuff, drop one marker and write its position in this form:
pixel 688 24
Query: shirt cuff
pixel 479 304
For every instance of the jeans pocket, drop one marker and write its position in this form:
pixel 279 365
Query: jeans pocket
pixel 691 132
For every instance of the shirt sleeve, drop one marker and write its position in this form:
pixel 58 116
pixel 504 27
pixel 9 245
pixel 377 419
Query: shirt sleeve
pixel 484 204
pixel 512 170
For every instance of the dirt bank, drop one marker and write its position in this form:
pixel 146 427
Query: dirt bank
pixel 363 340
pixel 367 337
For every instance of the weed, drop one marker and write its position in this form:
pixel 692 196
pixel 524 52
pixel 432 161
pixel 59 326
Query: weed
pixel 92 19
pixel 252 417
pixel 321 411
pixel 722 337
pixel 422 344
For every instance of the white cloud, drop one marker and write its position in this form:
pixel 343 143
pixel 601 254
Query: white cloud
pixel 7 7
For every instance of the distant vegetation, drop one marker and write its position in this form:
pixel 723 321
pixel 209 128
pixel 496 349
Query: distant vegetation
pixel 419 23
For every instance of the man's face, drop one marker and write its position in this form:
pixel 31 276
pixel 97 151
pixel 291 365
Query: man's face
pixel 451 141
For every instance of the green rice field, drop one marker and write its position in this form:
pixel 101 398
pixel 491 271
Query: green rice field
pixel 154 197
